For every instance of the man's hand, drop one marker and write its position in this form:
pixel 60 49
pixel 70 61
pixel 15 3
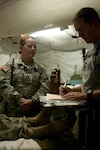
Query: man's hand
pixel 64 90
pixel 75 95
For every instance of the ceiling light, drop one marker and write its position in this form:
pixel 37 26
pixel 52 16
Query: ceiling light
pixel 46 32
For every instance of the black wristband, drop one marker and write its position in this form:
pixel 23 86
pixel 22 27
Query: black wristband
pixel 89 95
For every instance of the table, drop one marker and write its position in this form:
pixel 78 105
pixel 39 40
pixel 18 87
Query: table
pixel 81 105
pixel 61 103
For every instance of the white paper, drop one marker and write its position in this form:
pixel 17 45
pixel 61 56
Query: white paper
pixel 54 97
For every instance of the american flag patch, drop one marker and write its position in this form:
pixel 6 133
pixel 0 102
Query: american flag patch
pixel 5 68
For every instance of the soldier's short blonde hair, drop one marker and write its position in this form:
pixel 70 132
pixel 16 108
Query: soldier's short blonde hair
pixel 23 38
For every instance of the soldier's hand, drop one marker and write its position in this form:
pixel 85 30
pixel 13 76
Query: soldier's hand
pixel 27 105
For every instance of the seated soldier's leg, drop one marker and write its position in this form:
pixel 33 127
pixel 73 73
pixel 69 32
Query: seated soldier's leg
pixel 42 118
pixel 11 128
pixel 55 128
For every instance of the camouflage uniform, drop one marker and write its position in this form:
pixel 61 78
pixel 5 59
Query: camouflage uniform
pixel 27 82
pixel 12 128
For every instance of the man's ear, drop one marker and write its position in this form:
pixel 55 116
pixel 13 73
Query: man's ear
pixel 20 49
pixel 96 23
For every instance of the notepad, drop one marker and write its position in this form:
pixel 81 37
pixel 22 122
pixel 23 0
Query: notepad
pixel 54 97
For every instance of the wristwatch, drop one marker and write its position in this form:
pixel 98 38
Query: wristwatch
pixel 89 95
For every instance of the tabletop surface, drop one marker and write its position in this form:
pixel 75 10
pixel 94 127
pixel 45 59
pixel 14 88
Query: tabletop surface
pixel 59 102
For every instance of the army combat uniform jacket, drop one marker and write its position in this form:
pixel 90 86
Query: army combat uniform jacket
pixel 21 81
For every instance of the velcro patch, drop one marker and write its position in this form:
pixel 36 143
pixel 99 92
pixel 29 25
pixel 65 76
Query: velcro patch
pixel 5 68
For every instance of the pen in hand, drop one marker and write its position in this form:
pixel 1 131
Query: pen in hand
pixel 65 84
pixel 63 89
